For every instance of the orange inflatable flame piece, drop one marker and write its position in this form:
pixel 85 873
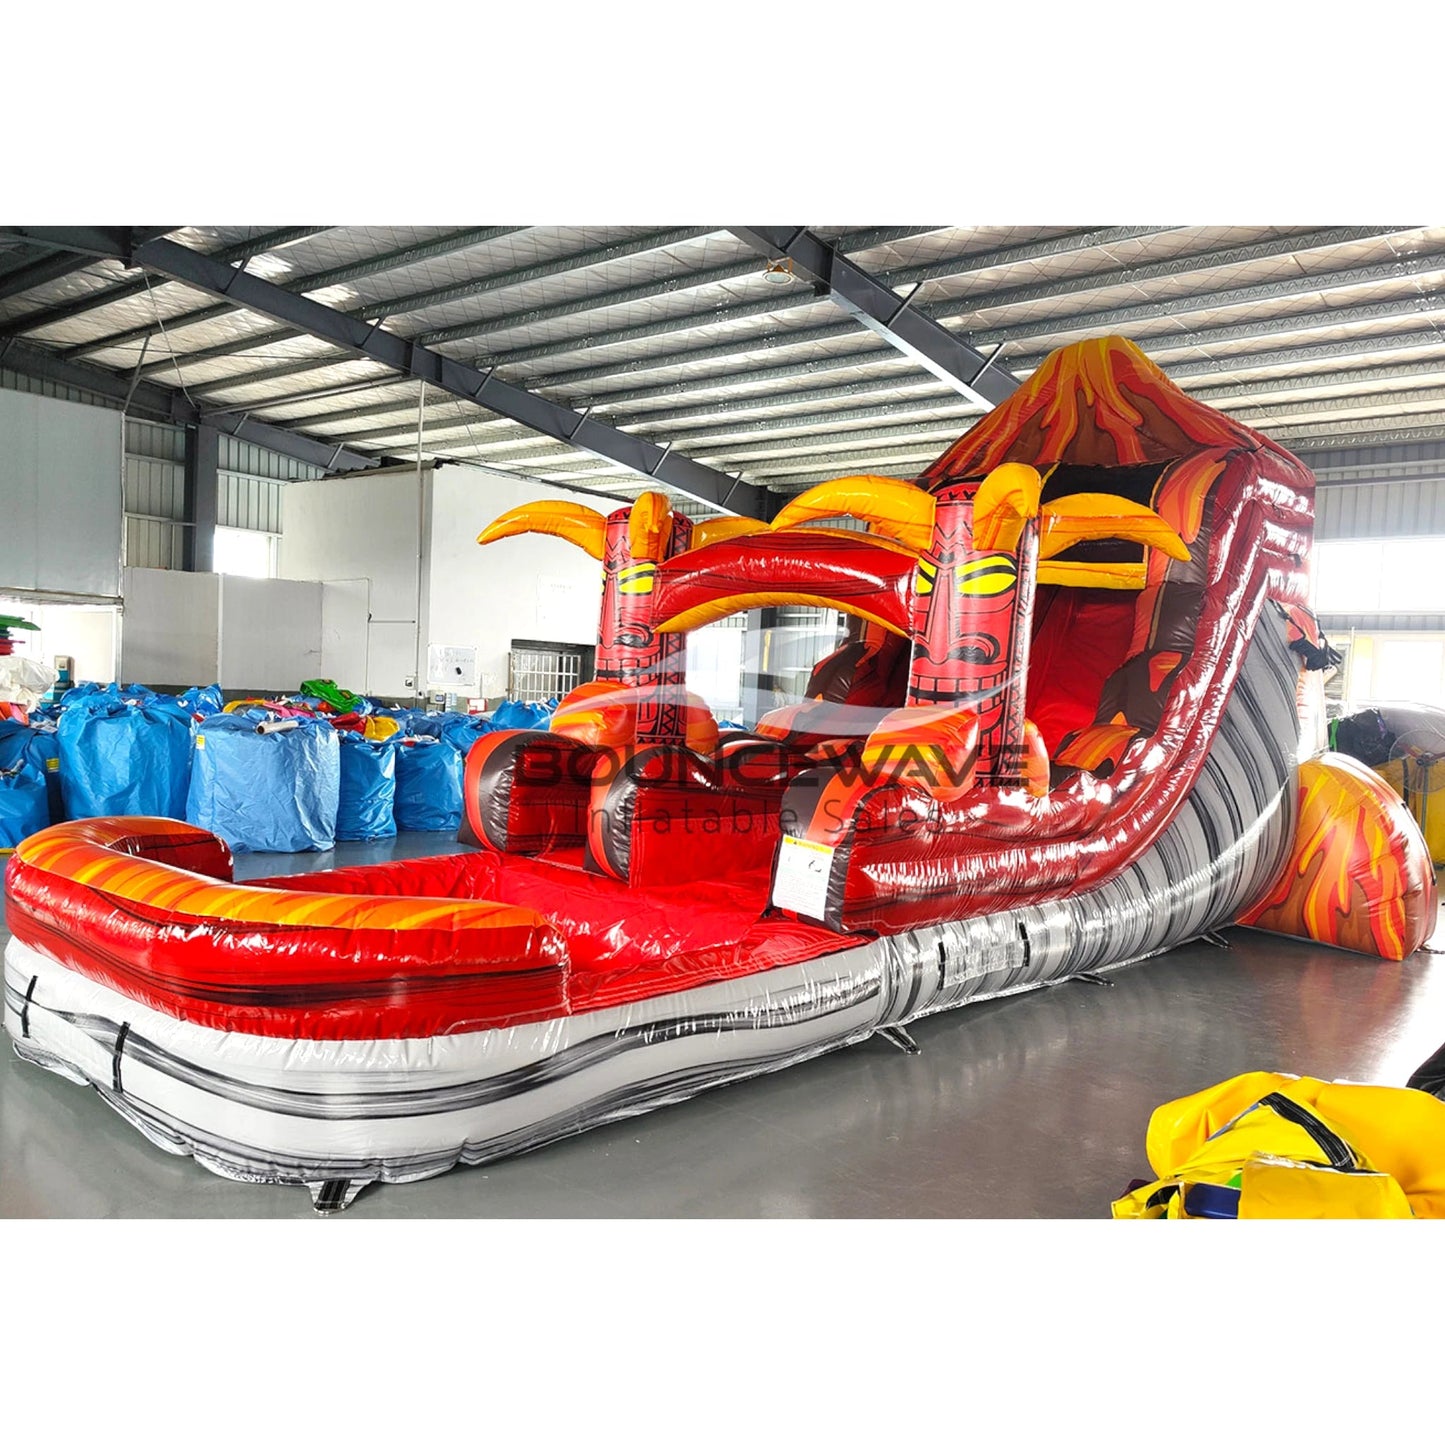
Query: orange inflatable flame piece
pixel 574 523
pixel 721 529
pixel 1089 516
pixel 1008 498
pixel 933 748
pixel 100 854
pixel 649 527
pixel 891 508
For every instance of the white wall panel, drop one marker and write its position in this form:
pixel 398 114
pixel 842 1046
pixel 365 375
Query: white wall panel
pixel 390 659
pixel 345 608
pixel 531 587
pixel 170 630
pixel 60 496
pixel 341 528
pixel 85 634
pixel 270 634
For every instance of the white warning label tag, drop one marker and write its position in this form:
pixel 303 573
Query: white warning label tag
pixel 801 882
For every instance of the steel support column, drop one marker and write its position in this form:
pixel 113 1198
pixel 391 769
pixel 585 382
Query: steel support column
pixel 880 309
pixel 485 389
pixel 202 499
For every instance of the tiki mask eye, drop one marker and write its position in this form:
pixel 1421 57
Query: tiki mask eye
pixel 637 579
pixel 986 576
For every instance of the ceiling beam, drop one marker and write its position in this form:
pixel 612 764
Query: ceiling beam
pixel 859 240
pixel 947 355
pixel 1420 305
pixel 485 389
pixel 260 245
pixel 1361 431
pixel 1114 318
pixel 161 403
pixel 651 290
pixel 104 242
pixel 1068 243
pixel 41 273
pixel 1315 240
pixel 1357 390
pixel 779 413
pixel 807 400
pixel 457 291
pixel 1353 382
pixel 399 258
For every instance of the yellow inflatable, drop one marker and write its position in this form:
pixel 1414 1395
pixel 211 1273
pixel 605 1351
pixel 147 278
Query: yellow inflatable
pixel 1275 1146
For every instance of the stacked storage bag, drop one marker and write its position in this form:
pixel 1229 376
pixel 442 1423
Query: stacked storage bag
pixel 202 701
pixel 428 786
pixel 23 807
pixel 124 754
pixel 462 732
pixel 273 791
pixel 38 748
pixel 368 789
pixel 524 714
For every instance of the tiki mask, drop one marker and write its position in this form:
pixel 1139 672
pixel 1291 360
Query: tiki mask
pixel 971 625
pixel 629 651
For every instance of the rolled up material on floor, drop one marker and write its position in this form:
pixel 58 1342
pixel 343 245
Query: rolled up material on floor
pixel 278 725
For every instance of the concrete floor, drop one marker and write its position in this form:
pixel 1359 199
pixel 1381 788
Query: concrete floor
pixel 1030 1107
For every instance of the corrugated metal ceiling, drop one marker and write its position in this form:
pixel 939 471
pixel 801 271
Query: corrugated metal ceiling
pixel 678 333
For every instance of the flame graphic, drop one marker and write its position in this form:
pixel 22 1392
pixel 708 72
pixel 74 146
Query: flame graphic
pixel 1359 877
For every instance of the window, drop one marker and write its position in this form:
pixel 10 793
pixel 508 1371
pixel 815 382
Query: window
pixel 538 671
pixel 1396 667
pixel 244 554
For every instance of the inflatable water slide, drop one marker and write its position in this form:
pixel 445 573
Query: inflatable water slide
pixel 1075 723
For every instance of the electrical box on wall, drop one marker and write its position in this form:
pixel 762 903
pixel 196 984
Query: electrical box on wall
pixel 451 669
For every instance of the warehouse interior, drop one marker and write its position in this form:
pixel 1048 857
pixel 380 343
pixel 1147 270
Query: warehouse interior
pixel 249 455
pixel 221 480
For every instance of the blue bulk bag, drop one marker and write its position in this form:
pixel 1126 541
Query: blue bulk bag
pixel 43 754
pixel 14 740
pixel 77 692
pixel 23 809
pixel 126 759
pixel 368 789
pixel 524 714
pixel 428 786
pixel 167 703
pixel 462 732
pixel 202 701
pixel 38 749
pixel 377 709
pixel 271 792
